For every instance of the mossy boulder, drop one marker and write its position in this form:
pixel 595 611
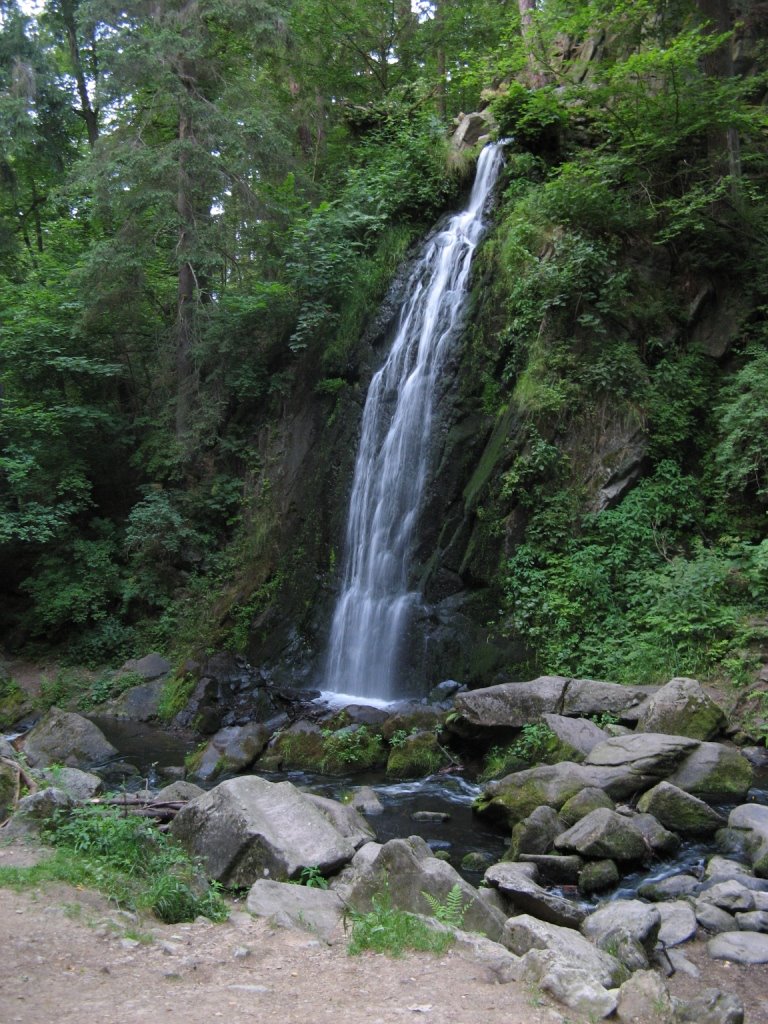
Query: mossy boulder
pixel 7 790
pixel 417 755
pixel 604 834
pixel 14 703
pixel 584 803
pixel 414 719
pixel 682 708
pixel 300 748
pixel 516 796
pixel 354 748
pixel 679 811
pixel 597 876
pixel 536 833
pixel 714 771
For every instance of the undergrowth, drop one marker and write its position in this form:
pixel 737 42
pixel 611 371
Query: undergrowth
pixel 384 929
pixel 125 859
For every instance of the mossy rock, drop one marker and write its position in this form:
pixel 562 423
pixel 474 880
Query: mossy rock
pixel 354 748
pixel 516 797
pixel 597 876
pixel 419 720
pixel 14 703
pixel 302 751
pixel 418 755
pixel 7 790
pixel 584 803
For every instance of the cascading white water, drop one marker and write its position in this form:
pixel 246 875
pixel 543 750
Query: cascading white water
pixel 373 609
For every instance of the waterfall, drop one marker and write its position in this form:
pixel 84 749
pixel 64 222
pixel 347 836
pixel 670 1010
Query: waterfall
pixel 375 605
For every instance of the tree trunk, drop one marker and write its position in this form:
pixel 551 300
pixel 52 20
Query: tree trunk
pixel 185 305
pixel 87 111
pixel 536 76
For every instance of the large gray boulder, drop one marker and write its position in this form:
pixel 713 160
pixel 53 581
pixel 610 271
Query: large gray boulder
pixel 62 737
pixel 345 819
pixel 297 906
pixel 528 897
pixel 740 947
pixel 678 922
pixel 710 1007
pixel 752 820
pixel 138 703
pixel 584 803
pixel 648 756
pixel 714 771
pixel 151 666
pixel 682 708
pixel 248 828
pixel 36 810
pixel 640 920
pixel 604 834
pixel 79 784
pixel 524 933
pixel 517 795
pixel 517 704
pixel 405 869
pixel 678 810
pixel 232 749
pixel 537 832
pixel 577 735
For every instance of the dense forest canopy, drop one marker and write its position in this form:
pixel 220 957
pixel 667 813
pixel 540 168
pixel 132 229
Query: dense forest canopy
pixel 202 203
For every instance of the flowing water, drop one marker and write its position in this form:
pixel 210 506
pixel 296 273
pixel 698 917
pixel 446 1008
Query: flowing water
pixel 375 605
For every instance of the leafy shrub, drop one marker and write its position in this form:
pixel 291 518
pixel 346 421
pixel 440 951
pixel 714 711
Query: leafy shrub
pixel 351 748
pixel 385 929
pixel 133 863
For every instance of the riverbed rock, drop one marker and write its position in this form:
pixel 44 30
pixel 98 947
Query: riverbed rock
pixel 316 910
pixel 80 785
pixel 714 771
pixel 644 997
pixel 710 1007
pixel 248 828
pixel 348 822
pixel 712 918
pixel 365 801
pixel 517 704
pixel 648 756
pixel 682 708
pixel 7 790
pixel 680 811
pixel 678 922
pixel 752 820
pixel 516 796
pixel 597 876
pixel 62 737
pixel 572 985
pixel 36 810
pixel 151 666
pixel 536 833
pixel 575 736
pixel 528 897
pixel 406 869
pixel 753 921
pixel 233 749
pixel 729 895
pixel 604 834
pixel 584 803
pixel 740 947
pixel 720 869
pixel 181 789
pixel 670 888
pixel 524 933
pixel 555 869
pixel 659 839
pixel 640 920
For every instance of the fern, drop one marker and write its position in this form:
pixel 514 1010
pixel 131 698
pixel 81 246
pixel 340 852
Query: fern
pixel 452 911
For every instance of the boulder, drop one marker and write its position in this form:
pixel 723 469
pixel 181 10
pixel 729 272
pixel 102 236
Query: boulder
pixel 576 736
pixel 680 811
pixel 406 869
pixel 528 897
pixel 678 922
pixel 752 819
pixel 682 708
pixel 753 921
pixel 729 895
pixel 232 750
pixel 714 771
pixel 365 800
pixel 712 918
pixel 583 803
pixel 62 737
pixel 138 703
pixel 248 828
pixel 644 996
pixel 536 833
pixel 670 888
pixel 569 984
pixel 648 756
pixel 640 920
pixel 555 869
pixel 524 933
pixel 80 785
pixel 740 947
pixel 710 1007
pixel 516 796
pixel 660 840
pixel 720 869
pixel 8 779
pixel 345 819
pixel 151 666
pixel 604 834
pixel 35 810
pixel 179 790
pixel 297 906
pixel 597 876
pixel 513 705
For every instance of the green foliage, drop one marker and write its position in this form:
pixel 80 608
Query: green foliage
pixel 450 911
pixel 68 687
pixel 13 701
pixel 132 863
pixel 175 695
pixel 741 455
pixel 384 929
pixel 533 746
pixel 350 748
pixel 313 878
